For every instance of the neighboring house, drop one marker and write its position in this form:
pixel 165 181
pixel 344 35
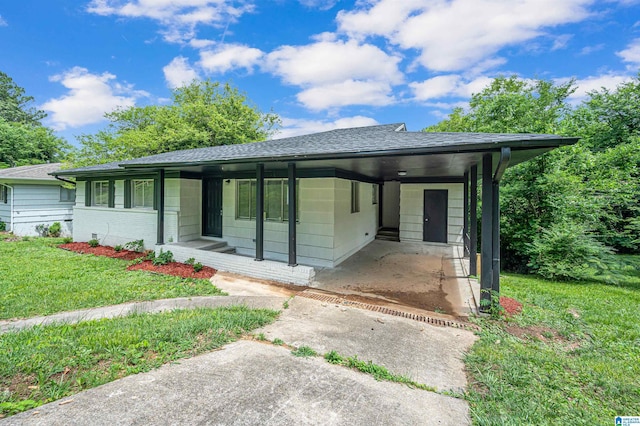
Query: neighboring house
pixel 30 196
pixel 312 200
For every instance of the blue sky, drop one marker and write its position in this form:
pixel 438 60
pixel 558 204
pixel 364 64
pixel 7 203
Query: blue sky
pixel 319 64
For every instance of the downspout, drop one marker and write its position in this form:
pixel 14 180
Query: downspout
pixel 11 211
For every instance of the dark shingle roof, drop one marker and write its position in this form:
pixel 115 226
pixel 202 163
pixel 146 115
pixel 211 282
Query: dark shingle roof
pixel 34 172
pixel 371 140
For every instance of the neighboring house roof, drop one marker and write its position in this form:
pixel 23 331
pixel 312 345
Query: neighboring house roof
pixel 390 139
pixel 34 172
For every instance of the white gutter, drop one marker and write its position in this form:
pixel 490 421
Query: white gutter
pixel 12 197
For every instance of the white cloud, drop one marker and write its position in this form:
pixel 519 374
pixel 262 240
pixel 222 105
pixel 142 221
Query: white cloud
pixel 3 23
pixel 333 61
pixel 319 4
pixel 592 83
pixel 561 41
pixel 455 34
pixel 632 53
pixel 178 72
pixel 349 92
pixel 230 56
pixel 448 85
pixel 587 50
pixel 178 17
pixel 89 97
pixel 296 126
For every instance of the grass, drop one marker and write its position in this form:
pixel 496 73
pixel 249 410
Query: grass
pixel 47 363
pixel 303 352
pixel 571 357
pixel 40 279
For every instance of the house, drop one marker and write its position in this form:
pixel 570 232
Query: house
pixel 30 196
pixel 306 201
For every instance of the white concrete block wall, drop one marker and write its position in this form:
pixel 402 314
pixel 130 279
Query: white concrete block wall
pixel 412 206
pixel 353 231
pixel 190 216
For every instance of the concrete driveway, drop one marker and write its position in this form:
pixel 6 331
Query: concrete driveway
pixel 250 382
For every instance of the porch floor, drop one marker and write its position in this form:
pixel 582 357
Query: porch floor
pixel 428 277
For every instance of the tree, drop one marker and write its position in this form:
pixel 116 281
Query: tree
pixel 544 200
pixel 202 114
pixel 14 105
pixel 23 139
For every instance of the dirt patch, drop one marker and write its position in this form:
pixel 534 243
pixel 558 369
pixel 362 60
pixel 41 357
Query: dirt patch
pixel 174 268
pixel 101 251
pixel 511 306
pixel 22 386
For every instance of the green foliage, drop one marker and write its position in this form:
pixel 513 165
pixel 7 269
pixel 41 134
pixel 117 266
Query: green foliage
pixel 491 305
pixel 59 280
pixel 55 229
pixel 15 105
pixel 591 188
pixel 135 245
pixel 278 342
pixel 118 247
pixel 162 258
pixel 197 267
pixel 571 356
pixel 3 226
pixel 93 243
pixel 67 240
pixel 190 261
pixel 202 114
pixel 303 352
pixel 60 360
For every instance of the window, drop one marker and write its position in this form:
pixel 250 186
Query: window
pixel 67 195
pixel 100 193
pixel 355 197
pixel 142 194
pixel 276 199
pixel 3 194
pixel 374 194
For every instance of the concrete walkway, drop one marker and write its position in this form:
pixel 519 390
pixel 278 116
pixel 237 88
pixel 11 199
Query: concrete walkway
pixel 250 382
pixel 152 306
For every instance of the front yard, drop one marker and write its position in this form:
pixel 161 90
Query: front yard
pixel 40 279
pixel 46 363
pixel 571 357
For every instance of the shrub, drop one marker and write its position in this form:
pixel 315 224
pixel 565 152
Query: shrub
pixel 3 226
pixel 197 267
pixel 55 229
pixel 135 245
pixel 150 255
pixel 190 261
pixel 118 248
pixel 67 240
pixel 93 243
pixel 163 258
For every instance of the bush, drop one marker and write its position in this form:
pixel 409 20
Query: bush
pixel 3 226
pixel 567 251
pixel 93 243
pixel 118 248
pixel 197 267
pixel 55 229
pixel 67 240
pixel 135 245
pixel 190 261
pixel 163 258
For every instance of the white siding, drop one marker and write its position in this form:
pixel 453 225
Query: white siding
pixel 189 222
pixel 411 210
pixel 37 204
pixel 352 230
pixel 5 208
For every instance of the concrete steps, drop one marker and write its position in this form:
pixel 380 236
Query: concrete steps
pixel 388 234
pixel 209 245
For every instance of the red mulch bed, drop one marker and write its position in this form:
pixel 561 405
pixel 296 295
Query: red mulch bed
pixel 510 306
pixel 174 268
pixel 101 251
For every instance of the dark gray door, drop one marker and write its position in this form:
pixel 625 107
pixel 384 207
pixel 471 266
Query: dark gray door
pixel 435 215
pixel 212 207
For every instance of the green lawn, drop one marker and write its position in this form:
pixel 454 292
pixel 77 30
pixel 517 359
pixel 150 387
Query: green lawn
pixel 46 363
pixel 571 357
pixel 40 279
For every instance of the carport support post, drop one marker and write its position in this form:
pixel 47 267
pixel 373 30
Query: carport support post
pixel 486 248
pixel 465 226
pixel 259 212
pixel 160 205
pixel 291 187
pixel 473 238
pixel 495 266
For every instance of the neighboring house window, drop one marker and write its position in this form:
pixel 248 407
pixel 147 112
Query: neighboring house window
pixel 374 194
pixel 276 199
pixel 3 194
pixel 355 197
pixel 67 195
pixel 142 194
pixel 100 193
